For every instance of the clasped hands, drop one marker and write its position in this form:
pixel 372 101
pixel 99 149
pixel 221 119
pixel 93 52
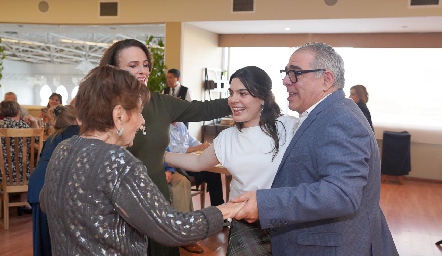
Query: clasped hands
pixel 240 207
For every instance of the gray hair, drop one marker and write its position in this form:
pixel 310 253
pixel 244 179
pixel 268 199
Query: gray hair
pixel 326 58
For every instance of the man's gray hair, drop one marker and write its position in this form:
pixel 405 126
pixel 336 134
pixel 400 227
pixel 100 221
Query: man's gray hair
pixel 326 58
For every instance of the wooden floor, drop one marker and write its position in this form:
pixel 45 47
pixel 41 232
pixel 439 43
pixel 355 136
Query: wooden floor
pixel 413 212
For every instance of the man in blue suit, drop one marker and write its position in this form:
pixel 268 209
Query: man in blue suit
pixel 325 197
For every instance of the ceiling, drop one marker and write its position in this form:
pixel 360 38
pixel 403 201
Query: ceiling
pixel 373 25
pixel 62 44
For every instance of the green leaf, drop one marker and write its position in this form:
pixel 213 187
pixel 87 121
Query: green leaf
pixel 157 78
pixel 2 56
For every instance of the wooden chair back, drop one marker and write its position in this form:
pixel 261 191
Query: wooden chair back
pixel 198 190
pixel 14 162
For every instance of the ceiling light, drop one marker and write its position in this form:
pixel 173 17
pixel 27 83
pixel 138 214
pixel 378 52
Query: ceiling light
pixel 287 29
pixel 84 42
pixel 22 41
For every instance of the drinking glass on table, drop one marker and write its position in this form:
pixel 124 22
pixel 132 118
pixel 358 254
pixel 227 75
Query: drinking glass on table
pixel 41 123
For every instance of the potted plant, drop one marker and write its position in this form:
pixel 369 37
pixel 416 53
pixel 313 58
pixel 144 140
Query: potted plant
pixel 2 56
pixel 157 78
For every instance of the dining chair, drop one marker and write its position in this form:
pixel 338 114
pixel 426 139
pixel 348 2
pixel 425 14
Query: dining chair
pixel 198 190
pixel 19 152
pixel 395 158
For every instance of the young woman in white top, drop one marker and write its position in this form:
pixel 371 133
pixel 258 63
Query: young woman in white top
pixel 253 149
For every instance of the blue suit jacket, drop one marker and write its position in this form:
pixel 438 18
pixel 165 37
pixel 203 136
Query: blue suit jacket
pixel 325 196
pixel 37 178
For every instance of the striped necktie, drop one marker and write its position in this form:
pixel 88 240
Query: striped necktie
pixel 173 92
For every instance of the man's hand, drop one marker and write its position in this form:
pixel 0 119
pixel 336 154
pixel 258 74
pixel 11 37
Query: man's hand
pixel 249 211
pixel 168 176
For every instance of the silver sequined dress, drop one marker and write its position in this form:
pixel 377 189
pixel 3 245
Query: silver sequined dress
pixel 100 201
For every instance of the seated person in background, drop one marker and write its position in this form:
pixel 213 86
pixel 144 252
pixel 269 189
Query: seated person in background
pixel 24 114
pixel 65 126
pixel 182 142
pixel 179 187
pixel 10 111
pixel 54 100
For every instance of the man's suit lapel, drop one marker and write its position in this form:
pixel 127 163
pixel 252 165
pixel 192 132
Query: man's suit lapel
pixel 338 95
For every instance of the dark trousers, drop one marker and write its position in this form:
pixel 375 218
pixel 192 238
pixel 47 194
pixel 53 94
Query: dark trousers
pixel 40 232
pixel 214 185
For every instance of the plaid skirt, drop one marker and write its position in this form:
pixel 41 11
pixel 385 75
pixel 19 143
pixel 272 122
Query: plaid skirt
pixel 248 239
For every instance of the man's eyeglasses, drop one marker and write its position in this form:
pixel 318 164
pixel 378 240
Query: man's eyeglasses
pixel 293 74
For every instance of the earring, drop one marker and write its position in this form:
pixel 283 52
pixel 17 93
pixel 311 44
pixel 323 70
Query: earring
pixel 143 129
pixel 120 132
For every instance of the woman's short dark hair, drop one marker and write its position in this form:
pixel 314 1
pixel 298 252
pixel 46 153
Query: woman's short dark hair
pixel 101 90
pixel 259 84
pixel 112 54
pixel 56 95
pixel 9 108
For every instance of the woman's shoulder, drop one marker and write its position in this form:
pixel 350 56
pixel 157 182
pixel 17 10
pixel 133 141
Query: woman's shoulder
pixel 71 130
pixel 10 123
pixel 287 123
pixel 225 134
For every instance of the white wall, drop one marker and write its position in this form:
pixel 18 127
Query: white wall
pixel 15 79
pixel 200 50
pixel 26 80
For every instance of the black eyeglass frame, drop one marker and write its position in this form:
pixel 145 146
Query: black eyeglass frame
pixel 297 73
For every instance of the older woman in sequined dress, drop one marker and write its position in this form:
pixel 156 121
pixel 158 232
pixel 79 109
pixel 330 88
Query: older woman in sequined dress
pixel 98 197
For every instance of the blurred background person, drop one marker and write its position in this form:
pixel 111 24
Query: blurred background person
pixel 54 100
pixel 182 142
pixel 99 194
pixel 175 88
pixel 65 126
pixel 359 95
pixel 10 111
pixel 24 114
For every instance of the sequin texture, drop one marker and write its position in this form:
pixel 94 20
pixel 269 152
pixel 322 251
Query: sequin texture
pixel 100 201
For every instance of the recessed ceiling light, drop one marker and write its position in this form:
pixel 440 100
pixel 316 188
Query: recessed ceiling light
pixel 287 29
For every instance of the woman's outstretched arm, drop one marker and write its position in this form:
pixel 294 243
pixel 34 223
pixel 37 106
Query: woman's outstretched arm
pixel 193 162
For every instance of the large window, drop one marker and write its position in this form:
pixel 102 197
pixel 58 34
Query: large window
pixel 404 85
